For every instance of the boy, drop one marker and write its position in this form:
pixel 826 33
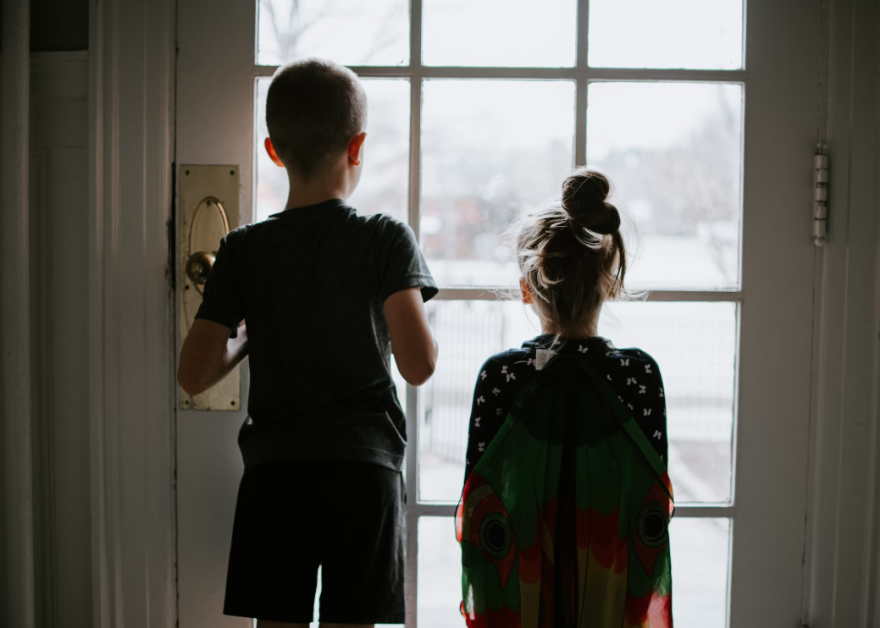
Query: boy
pixel 327 295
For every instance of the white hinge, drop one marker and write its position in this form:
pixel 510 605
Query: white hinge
pixel 820 194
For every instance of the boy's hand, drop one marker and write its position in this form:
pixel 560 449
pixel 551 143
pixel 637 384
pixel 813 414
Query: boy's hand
pixel 412 341
pixel 208 355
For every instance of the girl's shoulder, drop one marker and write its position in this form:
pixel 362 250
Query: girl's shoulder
pixel 630 362
pixel 509 365
pixel 520 363
pixel 629 353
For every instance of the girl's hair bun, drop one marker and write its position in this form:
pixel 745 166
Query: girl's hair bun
pixel 584 195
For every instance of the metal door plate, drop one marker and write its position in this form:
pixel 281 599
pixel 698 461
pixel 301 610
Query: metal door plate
pixel 209 203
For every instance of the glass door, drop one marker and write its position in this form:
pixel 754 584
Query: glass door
pixel 477 112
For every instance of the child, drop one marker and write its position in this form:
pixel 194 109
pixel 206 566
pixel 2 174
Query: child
pixel 328 294
pixel 563 518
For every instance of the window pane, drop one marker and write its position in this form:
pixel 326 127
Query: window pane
pixel 692 34
pixel 499 33
pixel 384 183
pixel 439 594
pixel 316 609
pixel 350 32
pixel 674 154
pixel 694 344
pixel 468 332
pixel 491 149
pixel 700 564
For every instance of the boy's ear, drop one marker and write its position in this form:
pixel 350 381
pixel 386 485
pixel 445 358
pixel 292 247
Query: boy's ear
pixel 524 289
pixel 354 148
pixel 270 149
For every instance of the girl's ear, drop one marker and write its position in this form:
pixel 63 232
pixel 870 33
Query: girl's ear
pixel 270 149
pixel 355 147
pixel 524 289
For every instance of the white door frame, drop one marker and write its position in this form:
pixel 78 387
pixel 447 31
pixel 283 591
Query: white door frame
pixel 131 87
pixel 841 586
pixel 132 67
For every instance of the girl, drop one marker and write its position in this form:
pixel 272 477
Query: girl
pixel 563 519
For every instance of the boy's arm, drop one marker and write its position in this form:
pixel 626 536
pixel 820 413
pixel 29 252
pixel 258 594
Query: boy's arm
pixel 208 355
pixel 412 340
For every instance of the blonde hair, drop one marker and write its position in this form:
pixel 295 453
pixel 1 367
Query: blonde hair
pixel 572 254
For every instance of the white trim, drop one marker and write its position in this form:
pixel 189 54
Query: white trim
pixel 842 517
pixel 512 293
pixel 131 70
pixel 582 44
pixel 416 71
pixel 15 278
pixel 689 511
pixel 775 328
pixel 411 565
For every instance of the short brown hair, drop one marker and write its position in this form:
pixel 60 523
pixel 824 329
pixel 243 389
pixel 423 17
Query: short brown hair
pixel 572 254
pixel 313 109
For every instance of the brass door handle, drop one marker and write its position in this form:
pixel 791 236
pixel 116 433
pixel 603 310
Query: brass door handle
pixel 198 266
pixel 199 263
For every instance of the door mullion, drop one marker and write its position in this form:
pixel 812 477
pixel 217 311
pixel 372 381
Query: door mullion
pixel 412 397
pixel 412 512
pixel 583 33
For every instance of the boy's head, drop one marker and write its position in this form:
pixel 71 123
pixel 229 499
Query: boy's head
pixel 314 109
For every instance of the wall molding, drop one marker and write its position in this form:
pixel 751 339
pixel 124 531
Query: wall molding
pixel 59 254
pixel 17 599
pixel 59 76
pixel 131 79
pixel 43 400
pixel 842 516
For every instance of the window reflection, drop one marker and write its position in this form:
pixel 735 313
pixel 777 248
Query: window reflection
pixel 499 33
pixel 673 152
pixel 350 32
pixel 491 150
pixel 671 34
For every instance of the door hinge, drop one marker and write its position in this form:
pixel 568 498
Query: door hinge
pixel 820 194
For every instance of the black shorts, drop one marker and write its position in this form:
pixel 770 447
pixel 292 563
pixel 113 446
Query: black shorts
pixel 291 517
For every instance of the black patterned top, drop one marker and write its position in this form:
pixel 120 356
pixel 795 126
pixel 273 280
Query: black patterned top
pixel 631 373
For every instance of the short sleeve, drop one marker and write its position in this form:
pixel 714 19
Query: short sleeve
pixel 403 266
pixel 222 299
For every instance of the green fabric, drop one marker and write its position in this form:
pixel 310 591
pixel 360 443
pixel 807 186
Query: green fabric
pixel 563 522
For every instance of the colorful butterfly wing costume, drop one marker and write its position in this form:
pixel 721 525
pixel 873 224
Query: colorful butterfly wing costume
pixel 563 521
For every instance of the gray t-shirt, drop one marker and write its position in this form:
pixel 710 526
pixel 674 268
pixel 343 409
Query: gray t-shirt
pixel 310 282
